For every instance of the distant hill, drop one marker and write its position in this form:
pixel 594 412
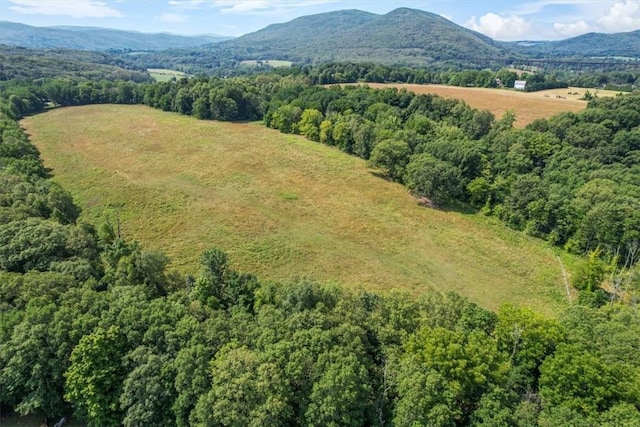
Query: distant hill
pixel 25 63
pixel 404 35
pixel 586 45
pixel 92 38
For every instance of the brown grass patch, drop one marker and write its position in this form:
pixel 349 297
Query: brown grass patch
pixel 527 106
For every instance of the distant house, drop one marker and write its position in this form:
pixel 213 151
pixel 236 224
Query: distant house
pixel 519 84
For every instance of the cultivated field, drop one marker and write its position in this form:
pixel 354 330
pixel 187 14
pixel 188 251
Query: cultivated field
pixel 275 63
pixel 527 106
pixel 282 207
pixel 164 75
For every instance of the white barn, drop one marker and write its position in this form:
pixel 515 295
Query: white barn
pixel 519 84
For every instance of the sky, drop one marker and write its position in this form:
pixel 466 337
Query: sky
pixel 499 19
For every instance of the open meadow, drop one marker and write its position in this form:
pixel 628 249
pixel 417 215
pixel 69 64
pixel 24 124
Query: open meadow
pixel 282 207
pixel 164 75
pixel 527 106
pixel 275 63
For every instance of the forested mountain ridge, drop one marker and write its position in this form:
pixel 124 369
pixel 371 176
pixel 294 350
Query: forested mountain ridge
pixel 24 63
pixel 93 38
pixel 586 45
pixel 401 36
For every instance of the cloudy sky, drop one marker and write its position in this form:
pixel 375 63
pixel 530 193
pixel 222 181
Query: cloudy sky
pixel 500 19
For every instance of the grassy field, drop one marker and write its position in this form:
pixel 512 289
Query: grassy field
pixel 164 75
pixel 275 63
pixel 282 207
pixel 527 106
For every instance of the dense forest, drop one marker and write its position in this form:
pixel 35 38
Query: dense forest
pixel 17 63
pixel 95 325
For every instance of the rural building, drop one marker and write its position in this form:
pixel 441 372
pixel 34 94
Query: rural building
pixel 519 84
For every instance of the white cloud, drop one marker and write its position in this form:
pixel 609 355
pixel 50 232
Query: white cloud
pixel 258 6
pixel 623 16
pixel 567 30
pixel 72 8
pixel 187 4
pixel 533 7
pixel 231 6
pixel 172 18
pixel 501 28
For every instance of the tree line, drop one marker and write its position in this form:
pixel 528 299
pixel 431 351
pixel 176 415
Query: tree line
pixel 570 179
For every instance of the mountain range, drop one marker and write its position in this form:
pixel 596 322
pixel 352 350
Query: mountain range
pixel 586 45
pixel 401 37
pixel 94 38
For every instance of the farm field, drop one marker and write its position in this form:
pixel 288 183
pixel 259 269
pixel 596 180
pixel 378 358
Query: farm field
pixel 165 75
pixel 275 63
pixel 527 106
pixel 282 207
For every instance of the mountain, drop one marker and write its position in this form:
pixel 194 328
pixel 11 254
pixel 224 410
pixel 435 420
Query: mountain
pixel 25 63
pixel 586 45
pixel 92 38
pixel 404 35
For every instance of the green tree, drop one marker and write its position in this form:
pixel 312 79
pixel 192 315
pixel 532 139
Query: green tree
pixel 457 367
pixel 480 125
pixel 286 118
pixel 202 108
pixel 340 396
pixel 148 391
pixel 222 107
pixel 245 391
pixel 425 397
pixel 309 124
pixel 94 380
pixel 507 77
pixel 591 273
pixel 219 286
pixel 391 156
pixel 438 180
pixel 326 132
pixel 31 376
pixel 36 244
pixel 580 381
pixel 528 337
pixel 182 101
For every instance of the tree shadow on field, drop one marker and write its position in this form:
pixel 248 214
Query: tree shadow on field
pixel 455 206
pixel 381 176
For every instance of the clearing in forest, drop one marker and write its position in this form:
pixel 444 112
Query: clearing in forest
pixel 165 75
pixel 282 207
pixel 527 106
pixel 275 63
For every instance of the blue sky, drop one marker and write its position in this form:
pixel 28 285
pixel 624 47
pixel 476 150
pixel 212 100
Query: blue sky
pixel 500 19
